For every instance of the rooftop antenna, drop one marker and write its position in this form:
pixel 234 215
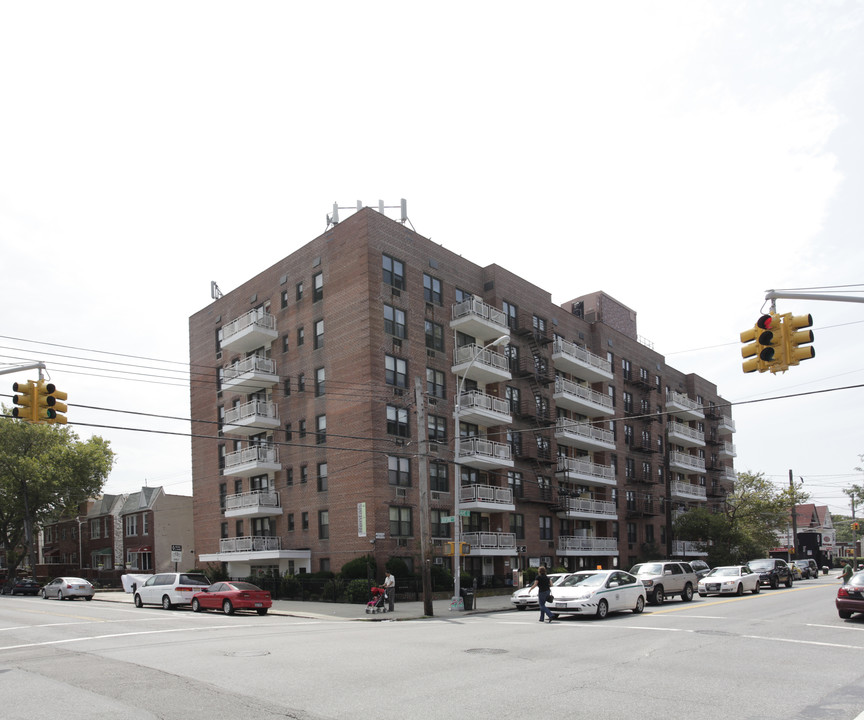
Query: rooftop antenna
pixel 333 218
pixel 215 292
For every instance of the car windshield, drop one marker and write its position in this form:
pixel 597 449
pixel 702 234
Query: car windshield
pixel 244 586
pixel 647 569
pixel 584 580
pixel 724 571
pixel 761 564
pixel 194 579
pixel 81 581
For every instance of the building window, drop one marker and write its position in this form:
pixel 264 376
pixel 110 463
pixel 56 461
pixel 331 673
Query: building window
pixel 323 524
pixel 318 340
pixel 439 529
pixel 285 344
pixel 432 289
pixel 396 371
pixel 317 287
pixel 394 272
pixel 131 523
pixel 290 517
pixel 517 525
pixel 631 532
pixel 399 471
pixel 394 321
pixel 320 377
pixel 438 481
pixel 434 336
pixel 437 427
pixel 320 429
pixel 514 480
pixel 95 529
pixel 397 421
pixel 289 476
pixel 545 527
pixel 223 530
pixel 301 429
pixel 299 291
pixel 301 336
pixel 510 310
pixel 304 520
pixel 322 477
pixel 304 474
pixel 400 522
pixel 435 383
pixel 301 383
pixel 283 299
pixel 511 395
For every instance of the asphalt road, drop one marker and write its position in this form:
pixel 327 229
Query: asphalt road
pixel 781 653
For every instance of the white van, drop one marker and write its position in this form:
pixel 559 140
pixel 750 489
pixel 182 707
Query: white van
pixel 170 589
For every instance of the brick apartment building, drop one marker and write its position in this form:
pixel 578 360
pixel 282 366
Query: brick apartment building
pixel 578 444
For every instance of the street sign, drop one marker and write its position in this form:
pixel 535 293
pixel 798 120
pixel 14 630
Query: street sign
pixel 448 518
pixel 176 553
pixel 465 513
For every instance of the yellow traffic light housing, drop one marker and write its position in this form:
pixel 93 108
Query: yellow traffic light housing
pixel 795 338
pixel 26 401
pixel 464 548
pixel 764 339
pixel 448 549
pixel 56 409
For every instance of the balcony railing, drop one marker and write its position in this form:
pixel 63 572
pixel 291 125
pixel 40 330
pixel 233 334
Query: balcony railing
pixel 254 329
pixel 586 506
pixel 256 454
pixel 586 471
pixel 486 494
pixel 581 398
pixel 490 540
pixel 580 362
pixel 251 364
pixel 578 543
pixel 482 365
pixel 687 461
pixel 256 498
pixel 683 405
pixel 689 490
pixel 583 434
pixel 483 409
pixel 254 543
pixel 474 317
pixel 485 452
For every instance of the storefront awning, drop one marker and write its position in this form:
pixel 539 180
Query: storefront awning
pixel 103 551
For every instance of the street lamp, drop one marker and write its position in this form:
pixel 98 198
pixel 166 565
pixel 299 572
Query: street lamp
pixel 457 484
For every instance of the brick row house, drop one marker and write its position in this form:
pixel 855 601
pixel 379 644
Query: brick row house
pixel 577 443
pixel 113 534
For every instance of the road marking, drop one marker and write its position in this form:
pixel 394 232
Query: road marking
pixel 804 642
pixel 64 624
pixel 121 635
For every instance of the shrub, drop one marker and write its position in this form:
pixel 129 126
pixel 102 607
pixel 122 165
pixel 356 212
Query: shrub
pixel 357 591
pixel 358 568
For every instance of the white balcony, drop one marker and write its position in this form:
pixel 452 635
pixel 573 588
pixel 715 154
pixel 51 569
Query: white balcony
pixel 258 503
pixel 725 425
pixel 587 509
pixel 255 460
pixel 687 549
pixel 581 399
pixel 682 406
pixel 483 366
pixel 729 475
pixel 585 472
pixel 490 543
pixel 684 435
pixel 249 375
pixel 688 491
pixel 571 545
pixel 579 362
pixel 487 497
pixel 479 320
pixel 727 450
pixel 484 410
pixel 253 330
pixel 484 454
pixel 583 435
pixel 251 418
pixel 688 464
pixel 240 550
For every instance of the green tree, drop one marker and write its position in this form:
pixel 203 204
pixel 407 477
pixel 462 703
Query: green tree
pixel 45 470
pixel 748 523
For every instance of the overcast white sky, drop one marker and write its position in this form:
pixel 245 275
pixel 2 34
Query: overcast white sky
pixel 681 156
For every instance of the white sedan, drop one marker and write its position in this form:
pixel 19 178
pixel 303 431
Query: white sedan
pixel 598 592
pixel 729 580
pixel 68 588
pixel 526 597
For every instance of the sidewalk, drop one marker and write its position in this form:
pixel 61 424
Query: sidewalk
pixel 345 611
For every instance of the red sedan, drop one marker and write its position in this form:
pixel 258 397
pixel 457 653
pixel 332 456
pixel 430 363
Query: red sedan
pixel 231 596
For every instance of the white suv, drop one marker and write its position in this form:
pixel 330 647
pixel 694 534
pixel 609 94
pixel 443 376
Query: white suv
pixel 664 578
pixel 170 589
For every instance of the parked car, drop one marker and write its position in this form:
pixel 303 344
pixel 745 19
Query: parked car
pixel 850 596
pixel 665 578
pixel 170 589
pixel 700 567
pixel 796 571
pixel 729 580
pixel 809 568
pixel 772 571
pixel 20 586
pixel 231 596
pixel 526 597
pixel 68 588
pixel 598 592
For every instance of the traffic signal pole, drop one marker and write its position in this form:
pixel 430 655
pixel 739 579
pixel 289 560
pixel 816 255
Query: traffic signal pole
pixel 775 295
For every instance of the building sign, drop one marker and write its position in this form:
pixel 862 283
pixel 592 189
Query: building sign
pixel 361 519
pixel 176 553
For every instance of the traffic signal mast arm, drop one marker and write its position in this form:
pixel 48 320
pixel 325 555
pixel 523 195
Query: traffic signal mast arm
pixel 775 295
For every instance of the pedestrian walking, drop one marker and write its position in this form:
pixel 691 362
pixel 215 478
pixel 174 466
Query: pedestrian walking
pixel 541 582
pixel 847 573
pixel 390 587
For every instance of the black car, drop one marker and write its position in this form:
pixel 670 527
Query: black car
pixel 772 572
pixel 20 586
pixel 700 567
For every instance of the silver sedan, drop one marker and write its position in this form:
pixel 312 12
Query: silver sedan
pixel 68 588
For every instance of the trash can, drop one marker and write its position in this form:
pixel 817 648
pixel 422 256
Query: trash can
pixel 468 598
pixel 824 569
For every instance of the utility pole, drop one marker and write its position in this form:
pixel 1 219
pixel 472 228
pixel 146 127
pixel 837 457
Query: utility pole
pixel 423 486
pixel 794 517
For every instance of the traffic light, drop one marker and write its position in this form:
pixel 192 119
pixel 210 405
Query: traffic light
pixel 765 340
pixel 464 549
pixel 795 337
pixel 448 549
pixel 55 407
pixel 26 401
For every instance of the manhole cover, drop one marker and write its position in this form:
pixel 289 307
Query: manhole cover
pixel 246 653
pixel 486 651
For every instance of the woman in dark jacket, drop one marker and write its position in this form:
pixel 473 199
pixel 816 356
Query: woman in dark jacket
pixel 541 582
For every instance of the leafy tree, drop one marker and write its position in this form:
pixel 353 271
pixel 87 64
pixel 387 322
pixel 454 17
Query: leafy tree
pixel 45 470
pixel 748 522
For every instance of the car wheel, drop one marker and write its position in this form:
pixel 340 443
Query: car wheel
pixel 658 597
pixel 88 597
pixel 166 603
pixel 196 606
pixel 789 581
pixel 60 595
pixel 227 607
pixel 138 602
pixel 687 595
pixel 844 614
pixel 757 589
pixel 261 611
pixel 775 582
pixel 44 595
pixel 602 609
pixel 640 605
pixel 739 590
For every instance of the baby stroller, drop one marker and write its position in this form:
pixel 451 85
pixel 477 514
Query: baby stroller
pixel 378 602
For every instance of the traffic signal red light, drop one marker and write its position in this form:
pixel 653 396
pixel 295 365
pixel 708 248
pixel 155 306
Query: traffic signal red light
pixel 765 342
pixel 26 401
